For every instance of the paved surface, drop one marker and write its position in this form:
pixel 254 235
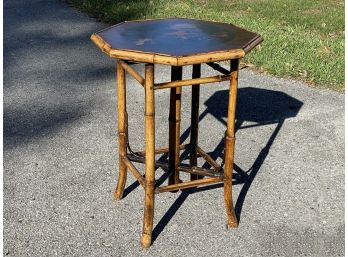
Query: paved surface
pixel 60 155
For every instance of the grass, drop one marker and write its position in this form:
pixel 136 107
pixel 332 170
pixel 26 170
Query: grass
pixel 303 39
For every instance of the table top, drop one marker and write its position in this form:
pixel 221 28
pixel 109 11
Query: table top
pixel 175 41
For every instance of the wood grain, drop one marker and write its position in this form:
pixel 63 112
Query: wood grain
pixel 121 109
pixel 229 145
pixel 146 239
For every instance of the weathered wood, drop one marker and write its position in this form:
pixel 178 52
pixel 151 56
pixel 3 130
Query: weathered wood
pixel 121 109
pixel 134 171
pixel 196 73
pixel 133 73
pixel 146 239
pixel 174 126
pixel 189 82
pixel 189 184
pixel 229 145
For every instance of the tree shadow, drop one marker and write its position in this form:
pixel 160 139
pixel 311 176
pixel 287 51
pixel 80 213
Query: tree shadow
pixel 64 64
pixel 254 105
pixel 19 127
pixel 114 11
pixel 50 66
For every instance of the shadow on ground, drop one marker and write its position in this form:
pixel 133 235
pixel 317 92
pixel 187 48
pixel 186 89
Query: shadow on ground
pixel 256 106
pixel 57 71
pixel 50 62
pixel 49 69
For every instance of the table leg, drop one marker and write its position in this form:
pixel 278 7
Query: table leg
pixel 149 156
pixel 174 126
pixel 196 73
pixel 229 145
pixel 121 107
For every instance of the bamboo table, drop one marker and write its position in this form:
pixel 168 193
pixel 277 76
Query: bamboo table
pixel 174 42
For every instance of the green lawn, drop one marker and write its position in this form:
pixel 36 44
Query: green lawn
pixel 303 39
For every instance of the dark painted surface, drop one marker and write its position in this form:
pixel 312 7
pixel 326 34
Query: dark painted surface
pixel 179 37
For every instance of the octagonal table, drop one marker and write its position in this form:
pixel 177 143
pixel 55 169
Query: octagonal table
pixel 175 42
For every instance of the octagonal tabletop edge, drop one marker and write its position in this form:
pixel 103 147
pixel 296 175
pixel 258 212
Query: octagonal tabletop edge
pixel 175 41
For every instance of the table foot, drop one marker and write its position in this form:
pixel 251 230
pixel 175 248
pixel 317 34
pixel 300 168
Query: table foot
pixel 146 241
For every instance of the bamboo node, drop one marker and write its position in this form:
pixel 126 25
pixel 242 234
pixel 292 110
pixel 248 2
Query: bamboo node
pixel 230 138
pixel 149 183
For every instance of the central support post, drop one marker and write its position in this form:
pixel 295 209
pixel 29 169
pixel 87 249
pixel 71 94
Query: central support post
pixel 174 126
pixel 196 73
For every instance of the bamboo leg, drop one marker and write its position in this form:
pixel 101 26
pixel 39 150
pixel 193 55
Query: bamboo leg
pixel 149 156
pixel 122 123
pixel 174 127
pixel 229 145
pixel 196 73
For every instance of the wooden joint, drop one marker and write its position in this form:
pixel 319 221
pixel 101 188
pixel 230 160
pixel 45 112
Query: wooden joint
pixel 226 178
pixel 122 155
pixel 175 120
pixel 234 66
pixel 192 146
pixel 134 171
pixel 132 72
pixel 149 183
pixel 230 138
pixel 105 47
pixel 208 158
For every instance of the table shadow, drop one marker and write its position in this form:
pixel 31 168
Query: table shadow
pixel 258 107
